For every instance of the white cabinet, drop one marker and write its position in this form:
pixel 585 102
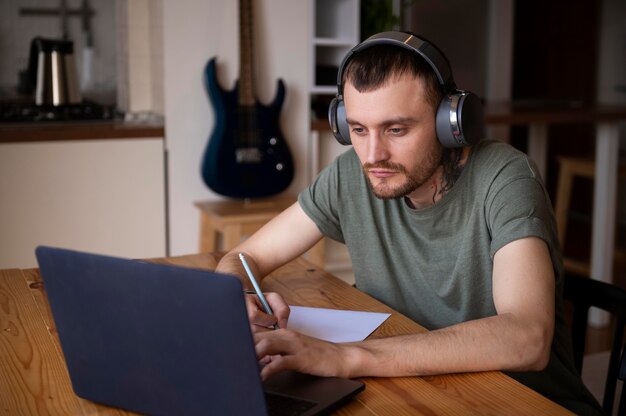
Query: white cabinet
pixel 336 30
pixel 104 196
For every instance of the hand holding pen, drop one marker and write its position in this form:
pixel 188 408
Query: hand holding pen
pixel 257 288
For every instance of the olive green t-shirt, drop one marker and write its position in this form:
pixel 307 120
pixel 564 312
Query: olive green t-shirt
pixel 435 264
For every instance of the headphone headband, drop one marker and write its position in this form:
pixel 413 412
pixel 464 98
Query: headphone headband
pixel 459 115
pixel 430 53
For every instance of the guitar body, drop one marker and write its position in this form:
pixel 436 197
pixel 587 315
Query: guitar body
pixel 246 156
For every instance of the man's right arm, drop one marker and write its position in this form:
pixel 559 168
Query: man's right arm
pixel 287 236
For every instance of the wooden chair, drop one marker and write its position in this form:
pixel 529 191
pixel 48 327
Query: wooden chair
pixel 584 293
pixel 622 376
pixel 569 168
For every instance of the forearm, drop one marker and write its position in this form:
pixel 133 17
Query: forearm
pixel 231 264
pixel 273 245
pixel 517 338
pixel 502 342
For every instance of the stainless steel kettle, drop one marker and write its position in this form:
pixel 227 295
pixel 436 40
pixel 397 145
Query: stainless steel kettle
pixel 53 69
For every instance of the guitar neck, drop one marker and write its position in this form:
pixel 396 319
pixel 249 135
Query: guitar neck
pixel 246 71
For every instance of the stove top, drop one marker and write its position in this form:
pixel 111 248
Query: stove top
pixel 26 112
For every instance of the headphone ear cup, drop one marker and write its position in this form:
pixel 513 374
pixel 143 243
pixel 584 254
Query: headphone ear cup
pixel 338 123
pixel 460 120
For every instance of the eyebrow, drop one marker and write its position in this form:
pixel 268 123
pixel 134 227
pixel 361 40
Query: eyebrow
pixel 397 120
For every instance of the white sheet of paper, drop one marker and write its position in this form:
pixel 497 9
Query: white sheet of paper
pixel 334 325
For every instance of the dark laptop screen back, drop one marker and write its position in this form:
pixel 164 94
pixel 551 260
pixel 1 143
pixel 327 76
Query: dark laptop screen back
pixel 152 338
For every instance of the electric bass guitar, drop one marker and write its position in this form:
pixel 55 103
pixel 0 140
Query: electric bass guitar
pixel 246 156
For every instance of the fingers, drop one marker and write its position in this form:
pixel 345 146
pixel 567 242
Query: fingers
pixel 279 308
pixel 267 344
pixel 276 364
pixel 284 349
pixel 256 315
pixel 287 350
pixel 259 319
pixel 279 342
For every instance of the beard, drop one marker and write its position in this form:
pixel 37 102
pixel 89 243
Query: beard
pixel 388 188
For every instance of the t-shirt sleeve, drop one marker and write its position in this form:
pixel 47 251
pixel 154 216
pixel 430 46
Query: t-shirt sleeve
pixel 518 209
pixel 321 203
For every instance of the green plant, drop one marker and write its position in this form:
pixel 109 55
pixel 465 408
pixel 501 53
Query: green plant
pixel 377 16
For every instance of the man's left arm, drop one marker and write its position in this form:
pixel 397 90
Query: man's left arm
pixel 518 338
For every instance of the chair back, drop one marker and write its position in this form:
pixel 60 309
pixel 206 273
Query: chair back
pixel 584 293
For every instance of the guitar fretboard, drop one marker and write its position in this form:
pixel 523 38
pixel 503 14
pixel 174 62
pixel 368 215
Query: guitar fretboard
pixel 246 71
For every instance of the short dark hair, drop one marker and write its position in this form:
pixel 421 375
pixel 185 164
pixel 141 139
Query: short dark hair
pixel 371 68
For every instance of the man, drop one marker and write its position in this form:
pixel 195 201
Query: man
pixel 460 239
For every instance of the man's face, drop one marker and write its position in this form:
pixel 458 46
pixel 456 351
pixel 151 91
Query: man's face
pixel 393 133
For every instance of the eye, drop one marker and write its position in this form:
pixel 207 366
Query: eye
pixel 359 131
pixel 397 131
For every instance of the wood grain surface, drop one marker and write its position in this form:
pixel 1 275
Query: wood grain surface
pixel 34 379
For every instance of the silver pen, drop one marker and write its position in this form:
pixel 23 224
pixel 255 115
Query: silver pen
pixel 257 288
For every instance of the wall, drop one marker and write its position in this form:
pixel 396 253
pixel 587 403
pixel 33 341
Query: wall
pixel 139 28
pixel 193 32
pixel 612 76
pixel 463 37
pixel 477 38
pixel 612 59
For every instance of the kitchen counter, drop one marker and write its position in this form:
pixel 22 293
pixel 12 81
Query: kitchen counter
pixel 97 185
pixel 79 130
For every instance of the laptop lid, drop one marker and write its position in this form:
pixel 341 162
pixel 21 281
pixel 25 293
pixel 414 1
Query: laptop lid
pixel 161 339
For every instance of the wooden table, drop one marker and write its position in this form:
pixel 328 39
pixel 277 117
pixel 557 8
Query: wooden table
pixel 34 380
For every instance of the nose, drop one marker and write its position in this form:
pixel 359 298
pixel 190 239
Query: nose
pixel 376 148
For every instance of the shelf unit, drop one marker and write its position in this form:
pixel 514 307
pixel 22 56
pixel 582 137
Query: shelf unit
pixel 335 29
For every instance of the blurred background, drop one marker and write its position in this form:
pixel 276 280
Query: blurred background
pixel 143 61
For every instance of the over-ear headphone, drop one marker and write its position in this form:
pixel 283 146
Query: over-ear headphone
pixel 459 118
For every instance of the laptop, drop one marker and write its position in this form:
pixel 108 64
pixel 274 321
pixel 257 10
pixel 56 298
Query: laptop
pixel 166 340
